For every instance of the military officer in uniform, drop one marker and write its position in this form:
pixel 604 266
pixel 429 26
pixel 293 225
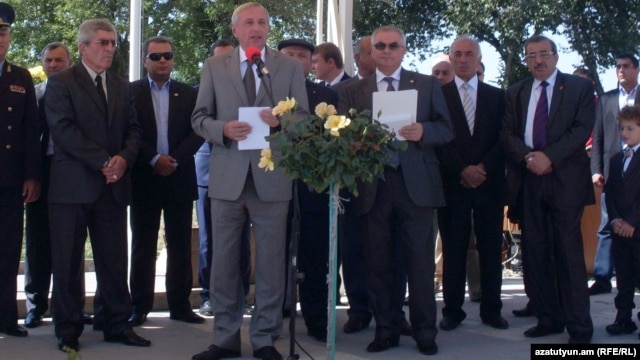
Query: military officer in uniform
pixel 19 169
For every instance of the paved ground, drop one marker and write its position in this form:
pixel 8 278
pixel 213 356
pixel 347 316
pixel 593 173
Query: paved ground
pixel 175 340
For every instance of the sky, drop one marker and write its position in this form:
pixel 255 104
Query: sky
pixel 567 62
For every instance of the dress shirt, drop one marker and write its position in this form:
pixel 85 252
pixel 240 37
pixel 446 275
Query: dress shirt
pixel 160 98
pixel 1 66
pixel 533 103
pixel 627 98
pixel 336 80
pixel 382 84
pixel 93 75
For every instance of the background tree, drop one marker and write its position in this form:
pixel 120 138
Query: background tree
pixel 505 25
pixel 601 30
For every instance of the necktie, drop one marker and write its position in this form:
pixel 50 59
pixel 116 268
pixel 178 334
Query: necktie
pixel 250 84
pixel 541 119
pixel 389 81
pixel 469 106
pixel 100 89
pixel 628 155
pixel 394 158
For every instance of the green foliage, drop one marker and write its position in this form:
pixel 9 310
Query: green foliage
pixel 601 30
pixel 311 152
pixel 505 24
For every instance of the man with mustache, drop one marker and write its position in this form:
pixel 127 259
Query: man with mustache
pixel 548 120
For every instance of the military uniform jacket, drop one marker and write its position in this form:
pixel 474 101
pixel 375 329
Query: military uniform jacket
pixel 20 127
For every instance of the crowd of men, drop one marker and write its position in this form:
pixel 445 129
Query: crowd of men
pixel 86 144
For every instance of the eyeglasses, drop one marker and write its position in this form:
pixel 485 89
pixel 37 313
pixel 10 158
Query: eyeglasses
pixel 105 42
pixel 393 46
pixel 543 55
pixel 157 56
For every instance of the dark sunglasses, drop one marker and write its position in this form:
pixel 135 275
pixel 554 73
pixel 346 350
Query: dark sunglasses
pixel 157 56
pixel 393 46
pixel 106 42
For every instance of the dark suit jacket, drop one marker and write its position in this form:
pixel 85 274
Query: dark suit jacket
pixel 623 193
pixel 20 157
pixel 86 135
pixel 571 119
pixel 606 136
pixel 419 163
pixel 484 146
pixel 183 142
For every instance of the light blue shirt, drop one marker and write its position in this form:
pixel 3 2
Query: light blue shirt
pixel 1 66
pixel 627 98
pixel 160 98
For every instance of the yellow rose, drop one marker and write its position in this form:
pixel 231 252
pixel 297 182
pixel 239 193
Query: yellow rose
pixel 336 122
pixel 284 107
pixel 266 161
pixel 323 110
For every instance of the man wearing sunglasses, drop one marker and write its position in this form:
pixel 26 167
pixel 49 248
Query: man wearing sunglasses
pixel 92 119
pixel 163 181
pixel 399 211
pixel 549 117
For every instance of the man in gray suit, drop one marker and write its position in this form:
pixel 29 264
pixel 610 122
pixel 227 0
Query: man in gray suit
pixel 606 143
pixel 399 210
pixel 238 188
pixel 92 119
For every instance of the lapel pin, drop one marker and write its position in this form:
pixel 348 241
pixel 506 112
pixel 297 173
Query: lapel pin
pixel 175 94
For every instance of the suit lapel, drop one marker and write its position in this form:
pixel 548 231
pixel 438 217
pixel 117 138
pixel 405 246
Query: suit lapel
pixel 407 80
pixel 633 166
pixel 272 64
pixel 174 101
pixel 525 96
pixel 556 97
pixel 233 68
pixel 85 81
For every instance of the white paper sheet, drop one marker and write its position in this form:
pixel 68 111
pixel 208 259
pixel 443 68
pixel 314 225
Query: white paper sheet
pixel 259 129
pixel 395 108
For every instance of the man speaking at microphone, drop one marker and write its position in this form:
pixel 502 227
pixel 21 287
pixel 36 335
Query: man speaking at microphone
pixel 238 188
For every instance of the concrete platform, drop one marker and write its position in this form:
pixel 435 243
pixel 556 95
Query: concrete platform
pixel 176 340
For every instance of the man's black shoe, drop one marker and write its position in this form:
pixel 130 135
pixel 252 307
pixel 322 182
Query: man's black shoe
pixel 383 343
pixel 215 353
pixel 449 323
pixel 427 347
pixel 267 353
pixel 128 337
pixel 206 309
pixel 318 333
pixel 68 343
pixel 621 327
pixel 188 317
pixel 524 312
pixel 87 319
pixel 33 319
pixel 496 322
pixel 15 330
pixel 137 319
pixel 355 324
pixel 600 287
pixel 541 330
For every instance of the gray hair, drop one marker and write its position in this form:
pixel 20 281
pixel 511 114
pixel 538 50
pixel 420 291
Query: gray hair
pixel 89 28
pixel 390 28
pixel 239 9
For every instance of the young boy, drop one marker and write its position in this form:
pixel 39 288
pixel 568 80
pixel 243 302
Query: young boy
pixel 623 206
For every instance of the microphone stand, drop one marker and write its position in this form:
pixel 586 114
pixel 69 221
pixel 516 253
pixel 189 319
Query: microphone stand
pixel 266 87
pixel 294 277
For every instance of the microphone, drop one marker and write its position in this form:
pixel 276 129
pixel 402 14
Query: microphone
pixel 253 54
